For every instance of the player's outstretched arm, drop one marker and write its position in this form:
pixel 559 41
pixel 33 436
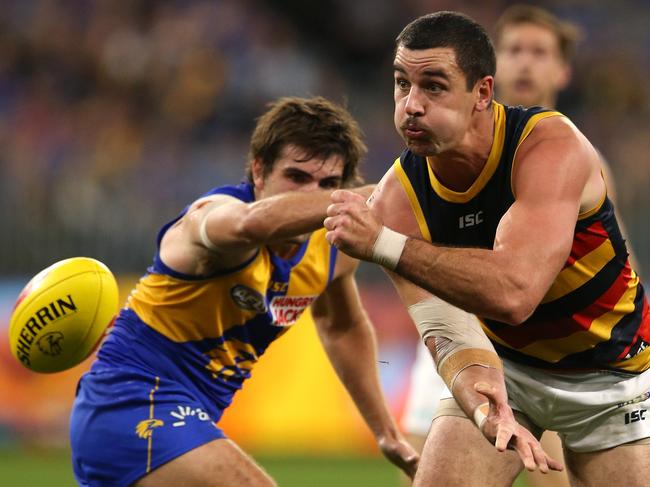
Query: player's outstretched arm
pixel 460 339
pixel 226 231
pixel 232 224
pixel 349 341
pixel 555 177
pixel 471 369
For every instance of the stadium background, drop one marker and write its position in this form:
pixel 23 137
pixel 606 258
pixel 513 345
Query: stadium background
pixel 113 115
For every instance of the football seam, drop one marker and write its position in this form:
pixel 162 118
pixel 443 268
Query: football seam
pixel 78 357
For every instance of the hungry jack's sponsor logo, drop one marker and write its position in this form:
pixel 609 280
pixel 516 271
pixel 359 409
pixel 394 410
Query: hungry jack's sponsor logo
pixel 287 309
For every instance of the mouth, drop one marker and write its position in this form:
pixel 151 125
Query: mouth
pixel 413 131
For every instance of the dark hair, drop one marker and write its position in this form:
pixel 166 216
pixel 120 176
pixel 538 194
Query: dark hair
pixel 567 34
pixel 469 40
pixel 315 125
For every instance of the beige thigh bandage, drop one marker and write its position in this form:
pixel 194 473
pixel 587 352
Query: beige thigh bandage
pixel 460 341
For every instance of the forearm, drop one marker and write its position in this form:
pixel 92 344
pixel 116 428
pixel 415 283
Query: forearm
pixel 353 355
pixel 284 216
pixel 287 215
pixel 472 279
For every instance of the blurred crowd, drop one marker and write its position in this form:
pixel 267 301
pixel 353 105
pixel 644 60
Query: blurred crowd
pixel 113 115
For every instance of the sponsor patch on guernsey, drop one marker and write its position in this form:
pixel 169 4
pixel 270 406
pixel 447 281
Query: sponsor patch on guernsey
pixel 247 298
pixel 287 309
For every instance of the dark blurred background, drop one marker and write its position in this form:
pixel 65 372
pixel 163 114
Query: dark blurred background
pixel 115 114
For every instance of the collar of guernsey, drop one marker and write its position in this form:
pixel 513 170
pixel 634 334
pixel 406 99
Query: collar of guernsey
pixel 225 321
pixel 595 314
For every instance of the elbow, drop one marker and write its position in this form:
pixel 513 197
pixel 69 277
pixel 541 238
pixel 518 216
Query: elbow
pixel 516 314
pixel 516 305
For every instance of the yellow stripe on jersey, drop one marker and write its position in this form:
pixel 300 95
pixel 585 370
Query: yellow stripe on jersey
pixel 487 171
pixel 490 334
pixel 555 349
pixel 192 310
pixel 638 363
pixel 226 358
pixel 530 125
pixel 413 199
pixel 581 272
pixel 151 419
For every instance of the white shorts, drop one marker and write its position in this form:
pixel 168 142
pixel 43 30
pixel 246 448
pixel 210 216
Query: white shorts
pixel 423 394
pixel 591 411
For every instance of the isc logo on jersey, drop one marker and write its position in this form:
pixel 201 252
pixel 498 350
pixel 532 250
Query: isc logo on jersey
pixel 470 220
pixel 287 309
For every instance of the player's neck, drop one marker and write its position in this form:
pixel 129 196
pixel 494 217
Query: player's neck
pixel 457 169
pixel 284 250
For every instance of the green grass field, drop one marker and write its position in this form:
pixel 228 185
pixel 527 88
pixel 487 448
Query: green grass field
pixel 52 469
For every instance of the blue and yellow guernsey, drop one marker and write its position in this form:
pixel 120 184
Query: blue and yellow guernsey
pixel 595 315
pixel 208 332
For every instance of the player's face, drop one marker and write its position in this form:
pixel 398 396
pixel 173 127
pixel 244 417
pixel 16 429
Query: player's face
pixel 530 67
pixel 433 107
pixel 293 171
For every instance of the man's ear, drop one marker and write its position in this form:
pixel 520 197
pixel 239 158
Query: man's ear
pixel 257 170
pixel 484 90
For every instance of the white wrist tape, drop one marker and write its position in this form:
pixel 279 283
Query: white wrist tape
pixel 388 248
pixel 480 414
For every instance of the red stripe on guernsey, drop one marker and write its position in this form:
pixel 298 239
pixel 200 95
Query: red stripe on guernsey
pixel 585 241
pixel 643 330
pixel 540 328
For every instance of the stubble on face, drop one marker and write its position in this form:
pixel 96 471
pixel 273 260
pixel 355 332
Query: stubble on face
pixel 429 99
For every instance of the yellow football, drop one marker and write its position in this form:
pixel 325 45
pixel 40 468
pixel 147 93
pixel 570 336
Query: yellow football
pixel 62 314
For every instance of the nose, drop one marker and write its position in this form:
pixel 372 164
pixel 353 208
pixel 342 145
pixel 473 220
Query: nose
pixel 414 102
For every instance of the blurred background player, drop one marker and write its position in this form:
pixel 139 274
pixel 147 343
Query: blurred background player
pixel 534 49
pixel 233 272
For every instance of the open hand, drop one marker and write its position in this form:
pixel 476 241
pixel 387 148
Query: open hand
pixel 400 453
pixel 501 429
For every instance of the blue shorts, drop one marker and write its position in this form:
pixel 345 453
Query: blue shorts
pixel 125 423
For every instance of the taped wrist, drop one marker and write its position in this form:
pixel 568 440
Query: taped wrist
pixel 388 248
pixel 460 340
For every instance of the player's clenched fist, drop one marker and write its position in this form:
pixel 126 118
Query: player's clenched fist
pixel 351 225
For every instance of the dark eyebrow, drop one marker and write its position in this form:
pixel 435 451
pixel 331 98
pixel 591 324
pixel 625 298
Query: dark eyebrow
pixel 431 73
pixel 297 170
pixel 436 73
